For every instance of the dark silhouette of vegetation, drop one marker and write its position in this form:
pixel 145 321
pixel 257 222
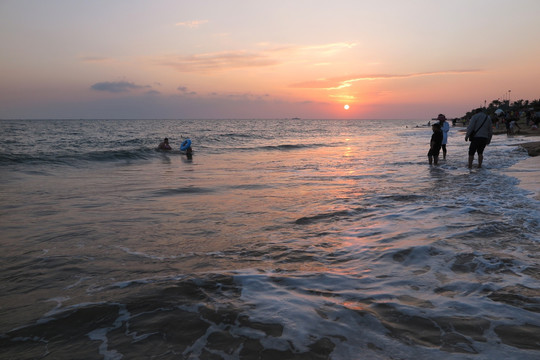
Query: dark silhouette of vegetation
pixel 517 106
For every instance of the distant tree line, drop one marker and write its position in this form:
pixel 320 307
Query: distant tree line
pixel 516 107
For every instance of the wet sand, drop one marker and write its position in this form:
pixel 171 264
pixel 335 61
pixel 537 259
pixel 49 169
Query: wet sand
pixel 527 171
pixel 533 148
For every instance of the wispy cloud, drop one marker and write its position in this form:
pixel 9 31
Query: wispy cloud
pixel 191 24
pixel 218 61
pixel 243 96
pixel 185 91
pixel 319 50
pixel 329 48
pixel 117 86
pixel 343 97
pixel 153 92
pixel 343 82
pixel 267 55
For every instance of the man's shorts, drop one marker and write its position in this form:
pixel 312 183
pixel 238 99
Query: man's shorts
pixel 478 144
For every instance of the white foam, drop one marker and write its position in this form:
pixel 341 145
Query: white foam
pixel 101 335
pixel 59 301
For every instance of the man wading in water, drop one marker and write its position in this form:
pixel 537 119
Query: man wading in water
pixel 479 133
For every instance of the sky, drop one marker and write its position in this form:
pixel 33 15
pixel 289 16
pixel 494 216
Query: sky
pixel 184 59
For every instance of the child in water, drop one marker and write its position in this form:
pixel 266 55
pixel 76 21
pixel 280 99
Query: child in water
pixel 435 144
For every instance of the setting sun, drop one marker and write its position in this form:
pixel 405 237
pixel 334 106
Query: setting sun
pixel 346 107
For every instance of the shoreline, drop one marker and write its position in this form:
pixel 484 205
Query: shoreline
pixel 532 148
pixel 526 171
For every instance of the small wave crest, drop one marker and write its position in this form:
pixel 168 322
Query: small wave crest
pixel 291 146
pixel 180 191
pixel 330 216
pixel 280 147
pixel 112 155
pixel 74 158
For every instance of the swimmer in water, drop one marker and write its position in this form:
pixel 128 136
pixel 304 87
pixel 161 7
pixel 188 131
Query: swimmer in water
pixel 164 145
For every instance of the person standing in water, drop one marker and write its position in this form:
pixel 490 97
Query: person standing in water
pixel 445 127
pixel 435 144
pixel 479 133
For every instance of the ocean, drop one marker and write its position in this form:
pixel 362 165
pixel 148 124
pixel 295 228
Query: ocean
pixel 279 239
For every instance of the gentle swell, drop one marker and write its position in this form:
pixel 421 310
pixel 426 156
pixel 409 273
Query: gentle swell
pixel 331 216
pixel 75 158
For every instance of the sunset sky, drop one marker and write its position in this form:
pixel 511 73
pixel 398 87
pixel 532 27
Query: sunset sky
pixel 386 59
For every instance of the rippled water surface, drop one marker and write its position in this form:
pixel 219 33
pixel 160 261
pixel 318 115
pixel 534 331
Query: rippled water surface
pixel 318 239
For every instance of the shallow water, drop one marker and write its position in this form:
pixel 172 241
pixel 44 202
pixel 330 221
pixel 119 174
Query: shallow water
pixel 279 239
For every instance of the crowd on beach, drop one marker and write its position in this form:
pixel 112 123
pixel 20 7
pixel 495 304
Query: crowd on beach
pixel 509 121
pixel 483 123
pixel 522 115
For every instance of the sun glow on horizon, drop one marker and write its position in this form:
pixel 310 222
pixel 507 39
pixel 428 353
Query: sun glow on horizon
pixel 271 71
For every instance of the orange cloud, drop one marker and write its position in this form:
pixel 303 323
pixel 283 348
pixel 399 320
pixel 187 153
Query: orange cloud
pixel 347 81
pixel 329 48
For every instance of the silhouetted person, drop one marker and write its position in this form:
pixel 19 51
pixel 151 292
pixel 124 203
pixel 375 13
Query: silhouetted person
pixel 479 132
pixel 164 145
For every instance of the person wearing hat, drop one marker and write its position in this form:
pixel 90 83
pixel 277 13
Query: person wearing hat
pixel 445 127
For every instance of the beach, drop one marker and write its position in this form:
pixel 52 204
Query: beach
pixel 297 239
pixel 527 170
pixel 533 148
pixel 527 173
pixel 212 180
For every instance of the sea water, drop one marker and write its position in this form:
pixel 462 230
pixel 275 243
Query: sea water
pixel 297 239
